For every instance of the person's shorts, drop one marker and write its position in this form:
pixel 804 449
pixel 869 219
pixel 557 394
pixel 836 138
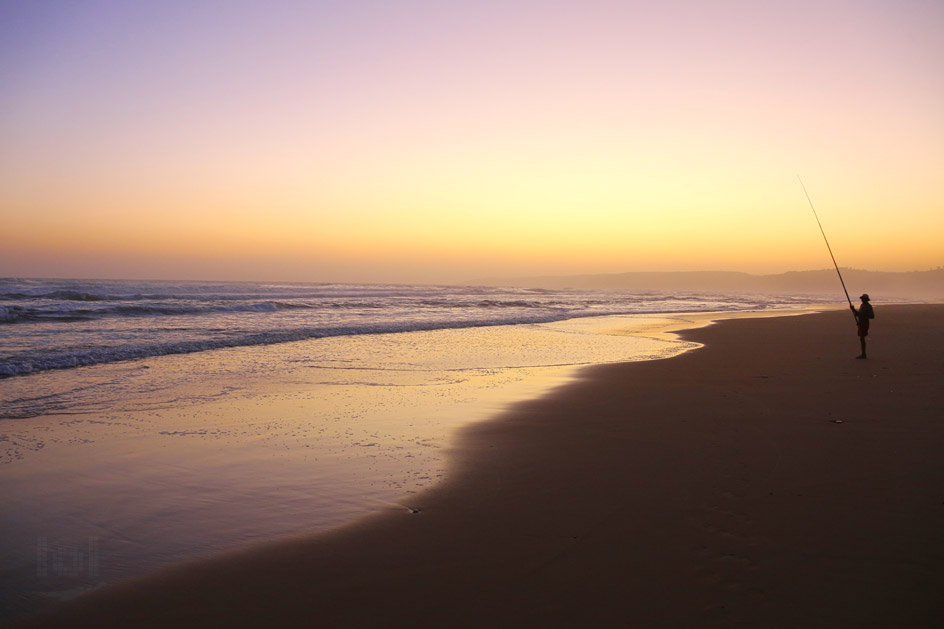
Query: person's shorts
pixel 863 330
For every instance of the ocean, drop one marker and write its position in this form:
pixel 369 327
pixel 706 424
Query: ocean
pixel 147 423
pixel 64 324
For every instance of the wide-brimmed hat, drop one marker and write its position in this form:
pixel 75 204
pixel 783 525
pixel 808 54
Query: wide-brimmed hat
pixel 864 296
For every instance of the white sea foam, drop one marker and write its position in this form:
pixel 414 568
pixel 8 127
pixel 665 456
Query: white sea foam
pixel 62 324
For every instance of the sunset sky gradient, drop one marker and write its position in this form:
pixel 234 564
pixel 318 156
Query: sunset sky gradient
pixel 445 141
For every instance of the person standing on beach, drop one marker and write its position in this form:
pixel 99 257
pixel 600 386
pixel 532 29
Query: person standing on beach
pixel 863 315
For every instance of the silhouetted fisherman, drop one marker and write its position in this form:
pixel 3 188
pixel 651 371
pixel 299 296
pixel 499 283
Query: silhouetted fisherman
pixel 863 315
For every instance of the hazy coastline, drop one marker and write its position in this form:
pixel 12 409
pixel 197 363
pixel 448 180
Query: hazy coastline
pixel 913 285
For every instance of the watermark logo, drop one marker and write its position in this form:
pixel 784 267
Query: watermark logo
pixel 67 558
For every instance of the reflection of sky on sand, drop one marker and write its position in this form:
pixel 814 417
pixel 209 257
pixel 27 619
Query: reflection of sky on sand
pixel 205 452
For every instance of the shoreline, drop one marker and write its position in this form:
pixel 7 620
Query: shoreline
pixel 204 455
pixel 713 488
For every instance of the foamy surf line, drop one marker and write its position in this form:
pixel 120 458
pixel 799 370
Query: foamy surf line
pixel 47 326
pixel 66 360
pixel 97 356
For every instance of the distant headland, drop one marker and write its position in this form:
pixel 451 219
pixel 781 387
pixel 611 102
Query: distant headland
pixel 926 285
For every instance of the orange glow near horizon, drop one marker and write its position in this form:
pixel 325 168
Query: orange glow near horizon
pixel 419 143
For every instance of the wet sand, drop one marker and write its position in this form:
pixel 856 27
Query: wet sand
pixel 149 463
pixel 767 479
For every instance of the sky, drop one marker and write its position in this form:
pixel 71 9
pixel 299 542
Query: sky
pixel 414 141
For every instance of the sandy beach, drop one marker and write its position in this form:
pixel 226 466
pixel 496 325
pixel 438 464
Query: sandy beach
pixel 767 479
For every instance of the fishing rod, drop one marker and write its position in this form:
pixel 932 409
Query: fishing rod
pixel 830 249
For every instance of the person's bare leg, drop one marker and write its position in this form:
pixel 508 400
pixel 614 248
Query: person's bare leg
pixel 862 342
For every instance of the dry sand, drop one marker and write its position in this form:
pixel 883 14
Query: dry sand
pixel 768 479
